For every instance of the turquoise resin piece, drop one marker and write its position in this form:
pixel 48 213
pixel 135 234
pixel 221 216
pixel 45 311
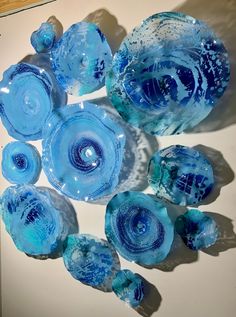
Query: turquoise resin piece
pixel 27 97
pixel 36 219
pixel 139 228
pixel 44 38
pixel 21 163
pixel 168 74
pixel 180 175
pixel 90 260
pixel 91 148
pixel 197 230
pixel 81 58
pixel 129 287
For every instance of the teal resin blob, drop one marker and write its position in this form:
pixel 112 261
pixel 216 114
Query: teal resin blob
pixel 139 227
pixel 168 74
pixel 44 38
pixel 197 229
pixel 21 163
pixel 129 287
pixel 180 175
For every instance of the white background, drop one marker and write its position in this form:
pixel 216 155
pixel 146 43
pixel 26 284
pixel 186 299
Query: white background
pixel 205 287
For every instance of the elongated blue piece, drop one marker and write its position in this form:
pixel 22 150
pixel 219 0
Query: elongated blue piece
pixel 139 228
pixel 168 73
pixel 21 163
pixel 91 148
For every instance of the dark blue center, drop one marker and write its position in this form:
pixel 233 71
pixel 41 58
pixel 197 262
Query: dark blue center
pixel 20 161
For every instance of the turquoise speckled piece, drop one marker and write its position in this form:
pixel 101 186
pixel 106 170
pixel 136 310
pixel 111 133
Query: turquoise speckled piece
pixel 44 38
pixel 21 163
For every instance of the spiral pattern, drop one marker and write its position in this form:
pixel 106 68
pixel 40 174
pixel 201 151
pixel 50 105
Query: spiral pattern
pixel 26 100
pixel 90 260
pixel 34 219
pixel 181 175
pixel 129 287
pixel 139 228
pixel 168 74
pixel 21 163
pixel 91 147
pixel 81 58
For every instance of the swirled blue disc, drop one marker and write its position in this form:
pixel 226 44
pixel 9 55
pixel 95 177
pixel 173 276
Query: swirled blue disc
pixel 21 163
pixel 90 260
pixel 168 73
pixel 44 38
pixel 197 229
pixel 33 220
pixel 26 100
pixel 139 228
pixel 129 287
pixel 81 58
pixel 180 175
pixel 83 151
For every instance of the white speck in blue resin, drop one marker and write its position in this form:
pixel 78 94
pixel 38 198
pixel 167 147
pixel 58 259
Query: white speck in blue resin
pixel 129 287
pixel 21 163
pixel 168 74
pixel 197 229
pixel 180 175
pixel 83 150
pixel 90 260
pixel 44 38
pixel 34 219
pixel 139 228
pixel 81 58
pixel 27 97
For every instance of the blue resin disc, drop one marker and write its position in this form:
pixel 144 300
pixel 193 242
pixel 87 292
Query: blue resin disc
pixel 81 58
pixel 197 230
pixel 83 150
pixel 33 220
pixel 168 74
pixel 44 38
pixel 21 163
pixel 139 228
pixel 129 287
pixel 180 175
pixel 90 260
pixel 26 100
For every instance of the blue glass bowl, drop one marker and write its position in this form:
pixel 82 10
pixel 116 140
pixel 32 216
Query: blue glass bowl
pixel 168 74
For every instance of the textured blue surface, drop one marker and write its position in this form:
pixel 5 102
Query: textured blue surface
pixel 26 100
pixel 81 58
pixel 168 74
pixel 21 163
pixel 197 230
pixel 44 38
pixel 90 260
pixel 139 228
pixel 129 287
pixel 91 147
pixel 33 219
pixel 181 175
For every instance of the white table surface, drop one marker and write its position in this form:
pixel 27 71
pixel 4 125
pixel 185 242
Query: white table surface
pixel 206 287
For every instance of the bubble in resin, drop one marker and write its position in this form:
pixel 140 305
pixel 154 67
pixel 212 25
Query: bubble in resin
pixel 81 58
pixel 139 227
pixel 90 260
pixel 180 175
pixel 129 287
pixel 168 73
pixel 27 97
pixel 83 150
pixel 197 229
pixel 21 163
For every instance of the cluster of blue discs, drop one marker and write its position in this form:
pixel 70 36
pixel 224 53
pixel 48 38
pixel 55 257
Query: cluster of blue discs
pixel 166 77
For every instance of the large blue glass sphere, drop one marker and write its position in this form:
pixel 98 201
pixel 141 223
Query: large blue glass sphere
pixel 83 151
pixel 168 74
pixel 180 175
pixel 21 163
pixel 197 229
pixel 90 260
pixel 27 97
pixel 81 58
pixel 139 228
